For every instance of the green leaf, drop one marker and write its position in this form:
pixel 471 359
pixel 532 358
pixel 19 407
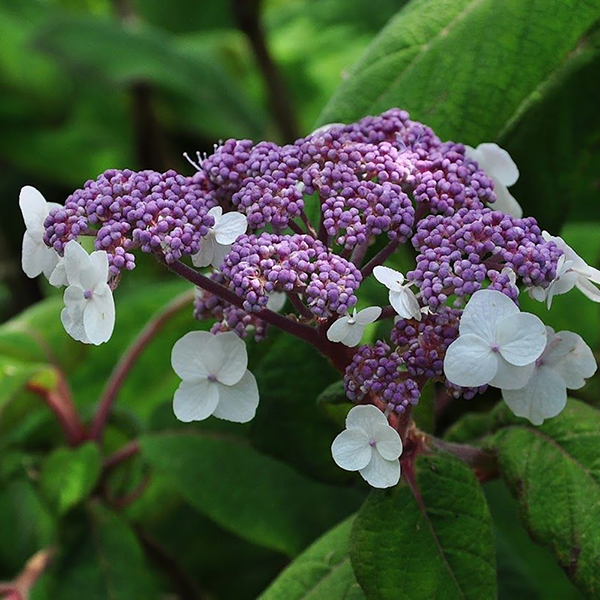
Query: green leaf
pixel 445 61
pixel 122 55
pixel 439 546
pixel 105 561
pixel 554 472
pixel 322 571
pixel 15 374
pixel 252 495
pixel 68 475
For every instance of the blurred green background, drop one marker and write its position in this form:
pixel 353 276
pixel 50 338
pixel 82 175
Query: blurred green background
pixel 87 85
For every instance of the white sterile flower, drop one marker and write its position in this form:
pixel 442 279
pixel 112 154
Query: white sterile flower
pixel 217 244
pixel 215 380
pixel 37 258
pixel 89 313
pixel 566 362
pixel 498 345
pixel 276 301
pixel 402 298
pixel 502 170
pixel 349 329
pixel 370 446
pixel 571 271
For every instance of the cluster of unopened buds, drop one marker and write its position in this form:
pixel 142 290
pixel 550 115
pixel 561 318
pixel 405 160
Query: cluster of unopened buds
pixel 290 233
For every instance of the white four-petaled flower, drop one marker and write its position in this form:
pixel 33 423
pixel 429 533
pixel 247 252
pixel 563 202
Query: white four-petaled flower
pixel 566 362
pixel 217 244
pixel 349 329
pixel 502 170
pixel 370 446
pixel 37 258
pixel 215 380
pixel 89 313
pixel 402 298
pixel 571 271
pixel 498 345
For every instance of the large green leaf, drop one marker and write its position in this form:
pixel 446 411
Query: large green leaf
pixel 68 475
pixel 440 546
pixel 322 571
pixel 104 561
pixel 252 495
pixel 554 471
pixel 122 55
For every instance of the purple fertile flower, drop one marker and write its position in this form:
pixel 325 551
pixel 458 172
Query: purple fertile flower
pixel 259 265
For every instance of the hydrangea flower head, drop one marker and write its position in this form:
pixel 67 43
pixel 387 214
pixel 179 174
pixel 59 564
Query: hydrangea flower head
pixel 370 446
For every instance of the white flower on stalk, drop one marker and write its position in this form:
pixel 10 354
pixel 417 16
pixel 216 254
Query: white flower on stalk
pixel 370 446
pixel 566 362
pixel 571 271
pixel 215 380
pixel 89 313
pixel 502 170
pixel 349 329
pixel 498 345
pixel 217 243
pixel 37 258
pixel 402 298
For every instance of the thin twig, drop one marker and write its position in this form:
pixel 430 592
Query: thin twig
pixel 121 455
pixel 379 258
pixel 21 587
pixel 129 359
pixel 302 309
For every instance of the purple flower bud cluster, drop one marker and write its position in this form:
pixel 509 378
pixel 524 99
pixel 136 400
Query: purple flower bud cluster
pixel 228 316
pixel 259 265
pixel 376 370
pixel 125 210
pixel 457 253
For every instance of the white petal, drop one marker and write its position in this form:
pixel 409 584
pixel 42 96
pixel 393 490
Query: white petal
pixel 509 377
pixel 229 227
pixel 238 403
pixel 225 357
pixel 34 208
pixel 186 356
pixel 368 315
pixel 544 396
pixel 588 288
pixel 521 338
pixel 484 311
pixel 219 254
pixel 58 277
pixel 99 316
pixel 571 358
pixel 538 293
pixel 505 201
pixel 204 256
pixel 36 257
pixel 99 260
pixel 79 267
pixel 392 280
pixel 593 274
pixel 216 212
pixel 354 335
pixel 405 303
pixel 387 442
pixel 351 450
pixel 72 318
pixel 276 301
pixel 195 401
pixel 339 329
pixel 498 163
pixel 381 473
pixel 470 361
pixel 366 417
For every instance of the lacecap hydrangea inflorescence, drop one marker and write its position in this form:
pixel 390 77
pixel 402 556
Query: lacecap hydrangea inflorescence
pixel 290 233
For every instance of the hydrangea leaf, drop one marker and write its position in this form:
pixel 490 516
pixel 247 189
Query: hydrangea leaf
pixel 440 546
pixel 254 496
pixel 103 559
pixel 554 472
pixel 68 475
pixel 322 571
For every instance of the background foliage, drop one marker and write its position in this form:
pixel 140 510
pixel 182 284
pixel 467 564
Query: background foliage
pixel 215 511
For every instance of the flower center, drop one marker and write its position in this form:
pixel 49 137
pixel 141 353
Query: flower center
pixel 88 294
pixel 495 348
pixel 212 378
pixel 372 442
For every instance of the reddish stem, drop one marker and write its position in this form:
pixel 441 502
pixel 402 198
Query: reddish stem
pixel 121 455
pixel 129 359
pixel 379 258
